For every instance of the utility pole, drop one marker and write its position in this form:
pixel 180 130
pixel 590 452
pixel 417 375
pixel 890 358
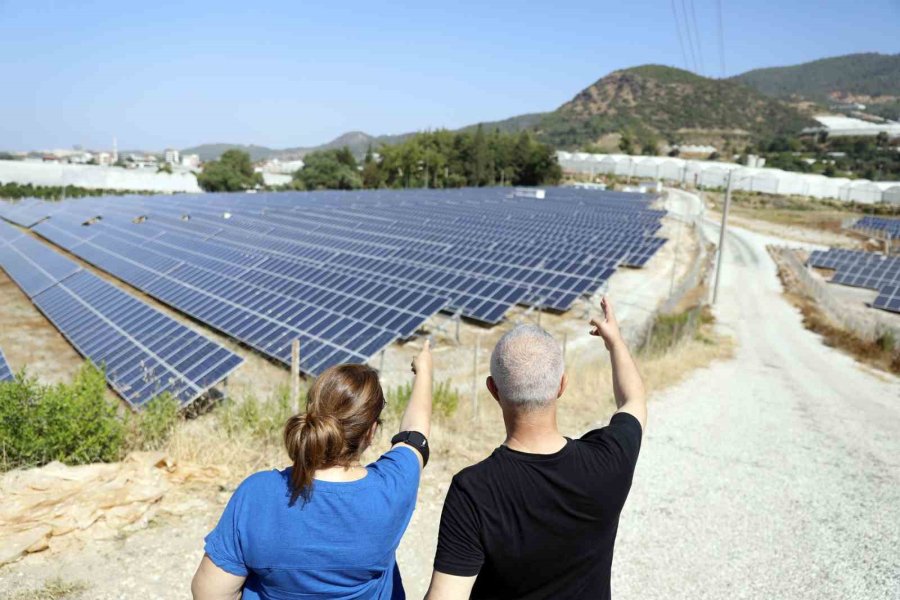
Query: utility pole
pixel 722 236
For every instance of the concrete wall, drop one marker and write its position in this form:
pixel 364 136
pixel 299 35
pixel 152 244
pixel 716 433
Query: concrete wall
pixel 92 176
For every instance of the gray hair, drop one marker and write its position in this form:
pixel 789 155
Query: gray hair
pixel 527 366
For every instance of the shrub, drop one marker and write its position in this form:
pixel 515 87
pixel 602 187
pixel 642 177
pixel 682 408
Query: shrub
pixel 445 400
pixel 72 423
pixel 151 428
pixel 259 419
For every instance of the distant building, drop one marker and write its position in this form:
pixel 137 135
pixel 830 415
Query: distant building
pixel 841 126
pixel 190 161
pixel 172 156
pixel 104 159
pixel 755 162
pixel 695 151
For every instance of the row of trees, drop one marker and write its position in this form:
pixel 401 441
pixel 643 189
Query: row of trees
pixel 15 191
pixel 233 172
pixel 436 159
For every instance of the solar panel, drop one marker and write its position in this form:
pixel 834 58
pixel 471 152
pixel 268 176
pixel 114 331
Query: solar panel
pixel 6 373
pixel 579 232
pixel 323 266
pixel 859 268
pixel 144 352
pixel 881 225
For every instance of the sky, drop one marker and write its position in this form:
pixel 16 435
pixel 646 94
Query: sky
pixel 284 74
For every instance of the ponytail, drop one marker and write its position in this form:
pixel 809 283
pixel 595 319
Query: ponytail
pixel 341 407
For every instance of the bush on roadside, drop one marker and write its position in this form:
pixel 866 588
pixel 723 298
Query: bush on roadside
pixel 73 423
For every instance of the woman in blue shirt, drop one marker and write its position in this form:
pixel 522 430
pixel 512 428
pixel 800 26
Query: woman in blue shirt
pixel 327 527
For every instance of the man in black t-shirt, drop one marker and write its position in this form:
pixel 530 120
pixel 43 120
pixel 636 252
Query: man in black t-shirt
pixel 538 518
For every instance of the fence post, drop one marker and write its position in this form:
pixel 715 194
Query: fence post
pixel 295 374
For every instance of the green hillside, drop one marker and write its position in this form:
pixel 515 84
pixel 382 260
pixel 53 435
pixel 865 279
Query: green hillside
pixel 655 101
pixel 862 74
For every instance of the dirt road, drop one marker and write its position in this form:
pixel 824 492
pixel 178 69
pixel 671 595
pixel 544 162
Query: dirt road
pixel 772 475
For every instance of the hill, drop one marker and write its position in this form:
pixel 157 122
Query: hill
pixel 655 101
pixel 869 74
pixel 213 151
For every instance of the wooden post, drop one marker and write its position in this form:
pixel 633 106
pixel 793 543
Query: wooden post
pixel 295 374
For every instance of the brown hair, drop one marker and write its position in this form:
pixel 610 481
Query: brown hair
pixel 341 407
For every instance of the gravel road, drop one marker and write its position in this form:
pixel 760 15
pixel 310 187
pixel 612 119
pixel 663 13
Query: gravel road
pixel 772 475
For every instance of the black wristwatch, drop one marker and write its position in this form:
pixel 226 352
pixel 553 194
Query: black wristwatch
pixel 414 439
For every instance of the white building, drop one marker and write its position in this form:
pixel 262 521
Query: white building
pixel 190 161
pixel 172 156
pixel 840 126
pixel 715 174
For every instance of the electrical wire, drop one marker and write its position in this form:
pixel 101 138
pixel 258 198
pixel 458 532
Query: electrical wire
pixel 697 36
pixel 689 35
pixel 721 37
pixel 684 57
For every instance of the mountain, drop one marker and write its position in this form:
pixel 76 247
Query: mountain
pixel 655 101
pixel 659 103
pixel 871 79
pixel 868 74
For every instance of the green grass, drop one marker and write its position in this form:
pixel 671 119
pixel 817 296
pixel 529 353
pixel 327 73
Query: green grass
pixel 445 400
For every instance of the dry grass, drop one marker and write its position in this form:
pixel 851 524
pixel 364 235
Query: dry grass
pixel 53 589
pixel 244 444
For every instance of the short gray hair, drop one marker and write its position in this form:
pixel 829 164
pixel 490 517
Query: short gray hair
pixel 527 366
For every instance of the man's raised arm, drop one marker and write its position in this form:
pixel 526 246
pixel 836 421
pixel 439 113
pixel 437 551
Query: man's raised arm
pixel 627 385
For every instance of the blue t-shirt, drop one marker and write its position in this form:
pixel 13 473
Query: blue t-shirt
pixel 340 544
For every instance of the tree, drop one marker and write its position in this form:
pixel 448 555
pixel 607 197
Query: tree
pixel 233 172
pixel 329 169
pixel 371 172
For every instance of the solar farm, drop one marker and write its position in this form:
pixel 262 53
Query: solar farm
pixel 858 268
pixel 345 273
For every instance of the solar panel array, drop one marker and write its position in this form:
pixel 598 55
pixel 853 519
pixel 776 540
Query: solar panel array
pixel 882 225
pixel 347 273
pixel 144 352
pixel 6 373
pixel 863 269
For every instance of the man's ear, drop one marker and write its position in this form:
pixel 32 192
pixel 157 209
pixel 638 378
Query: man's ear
pixel 492 388
pixel 562 385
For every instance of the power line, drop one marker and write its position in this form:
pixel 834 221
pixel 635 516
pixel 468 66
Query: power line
pixel 690 37
pixel 697 35
pixel 721 37
pixel 680 41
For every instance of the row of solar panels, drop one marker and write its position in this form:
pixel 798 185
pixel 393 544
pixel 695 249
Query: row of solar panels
pixel 886 226
pixel 551 273
pixel 6 373
pixel 863 269
pixel 144 352
pixel 349 273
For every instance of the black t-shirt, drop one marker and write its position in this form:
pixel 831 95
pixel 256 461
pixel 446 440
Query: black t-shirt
pixel 541 525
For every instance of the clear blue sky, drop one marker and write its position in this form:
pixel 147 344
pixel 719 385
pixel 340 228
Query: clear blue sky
pixel 160 73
